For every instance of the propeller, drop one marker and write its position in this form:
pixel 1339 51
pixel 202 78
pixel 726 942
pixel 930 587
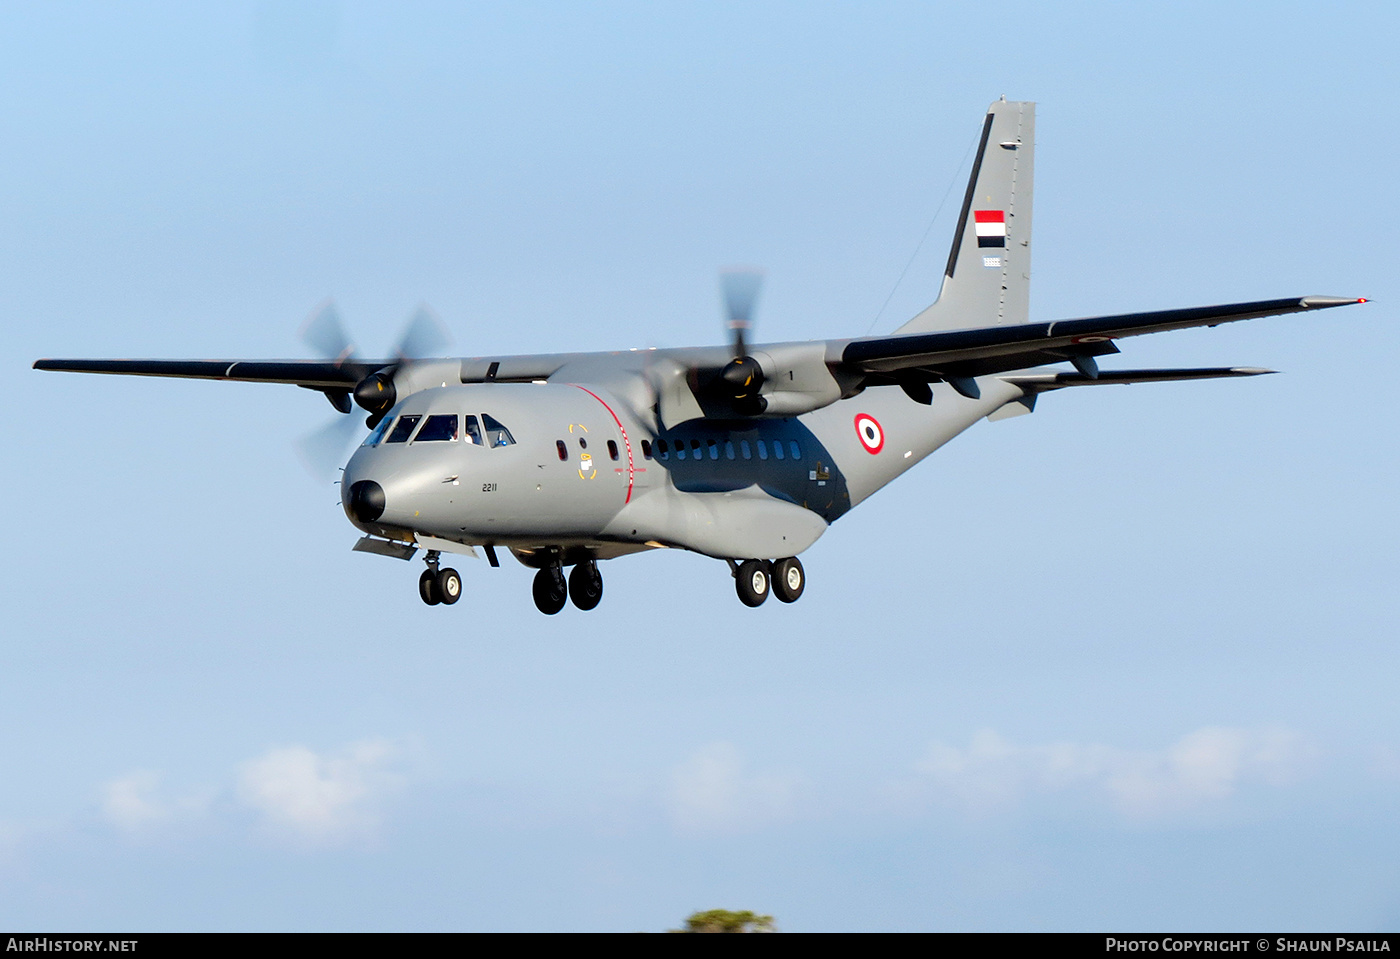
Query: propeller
pixel 741 379
pixel 323 451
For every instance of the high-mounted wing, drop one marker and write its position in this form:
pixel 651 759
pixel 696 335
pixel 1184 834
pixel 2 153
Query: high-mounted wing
pixel 957 356
pixel 312 374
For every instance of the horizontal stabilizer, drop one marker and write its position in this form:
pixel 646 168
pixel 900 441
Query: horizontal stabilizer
pixel 1044 382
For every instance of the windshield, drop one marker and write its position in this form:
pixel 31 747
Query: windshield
pixel 403 428
pixel 377 433
pixel 473 431
pixel 496 434
pixel 441 428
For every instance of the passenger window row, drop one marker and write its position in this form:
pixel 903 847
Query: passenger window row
pixel 443 428
pixel 712 449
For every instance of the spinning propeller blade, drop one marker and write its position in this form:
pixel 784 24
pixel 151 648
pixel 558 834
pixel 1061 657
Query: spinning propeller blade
pixel 740 289
pixel 424 335
pixel 742 377
pixel 323 451
pixel 325 334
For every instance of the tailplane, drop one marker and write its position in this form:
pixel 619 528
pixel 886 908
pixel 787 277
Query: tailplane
pixel 987 279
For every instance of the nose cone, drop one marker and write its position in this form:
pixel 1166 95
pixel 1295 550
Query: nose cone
pixel 365 501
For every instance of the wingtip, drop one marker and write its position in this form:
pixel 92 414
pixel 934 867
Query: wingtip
pixel 1250 371
pixel 1323 302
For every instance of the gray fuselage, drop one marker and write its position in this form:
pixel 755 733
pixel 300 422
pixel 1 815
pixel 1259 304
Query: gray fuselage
pixel 580 471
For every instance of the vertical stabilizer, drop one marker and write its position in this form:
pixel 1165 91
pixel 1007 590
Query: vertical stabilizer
pixel 988 276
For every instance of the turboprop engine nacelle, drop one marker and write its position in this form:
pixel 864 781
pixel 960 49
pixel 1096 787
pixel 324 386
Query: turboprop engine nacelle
pixel 379 392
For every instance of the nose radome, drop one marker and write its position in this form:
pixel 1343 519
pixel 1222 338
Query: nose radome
pixel 366 501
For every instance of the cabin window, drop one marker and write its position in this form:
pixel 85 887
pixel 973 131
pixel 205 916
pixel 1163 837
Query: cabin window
pixel 762 450
pixel 729 449
pixel 680 450
pixel 378 433
pixel 778 449
pixel 794 449
pixel 612 450
pixel 663 449
pixel 473 431
pixel 563 450
pixel 438 429
pixel 403 428
pixel 582 443
pixel 714 449
pixel 746 449
pixel 695 449
pixel 496 433
pixel 646 449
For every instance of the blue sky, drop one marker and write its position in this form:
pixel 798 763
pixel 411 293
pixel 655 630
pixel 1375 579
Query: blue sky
pixel 1126 663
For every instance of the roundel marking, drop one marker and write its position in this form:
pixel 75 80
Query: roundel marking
pixel 870 433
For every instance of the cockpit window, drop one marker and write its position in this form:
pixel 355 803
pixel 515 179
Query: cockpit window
pixel 440 428
pixel 473 435
pixel 377 433
pixel 496 434
pixel 403 428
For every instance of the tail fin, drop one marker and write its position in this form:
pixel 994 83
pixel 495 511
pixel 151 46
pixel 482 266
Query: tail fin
pixel 988 277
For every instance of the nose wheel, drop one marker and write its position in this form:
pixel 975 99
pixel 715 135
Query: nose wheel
pixel 439 585
pixel 549 589
pixel 586 585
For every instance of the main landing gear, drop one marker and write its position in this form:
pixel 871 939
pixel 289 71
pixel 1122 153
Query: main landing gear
pixel 584 587
pixel 754 579
pixel 439 585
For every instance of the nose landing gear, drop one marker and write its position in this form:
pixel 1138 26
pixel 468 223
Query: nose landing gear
pixel 439 585
pixel 586 585
pixel 549 589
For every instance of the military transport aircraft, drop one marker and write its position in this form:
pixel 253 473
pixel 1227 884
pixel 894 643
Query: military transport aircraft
pixel 745 453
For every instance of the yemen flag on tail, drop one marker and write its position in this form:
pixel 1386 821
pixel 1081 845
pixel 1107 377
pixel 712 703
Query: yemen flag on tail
pixel 991 227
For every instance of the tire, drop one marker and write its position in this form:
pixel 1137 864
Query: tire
pixel 428 588
pixel 449 586
pixel 789 579
pixel 549 591
pixel 753 582
pixel 586 585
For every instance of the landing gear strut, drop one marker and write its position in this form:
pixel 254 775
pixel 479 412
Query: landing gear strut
pixel 549 589
pixel 439 585
pixel 586 585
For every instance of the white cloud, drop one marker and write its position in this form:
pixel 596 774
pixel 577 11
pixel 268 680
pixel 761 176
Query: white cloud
pixel 129 802
pixel 1205 766
pixel 133 803
pixel 712 792
pixel 320 798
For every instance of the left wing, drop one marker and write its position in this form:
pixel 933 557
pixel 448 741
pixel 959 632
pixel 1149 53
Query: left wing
pixel 958 355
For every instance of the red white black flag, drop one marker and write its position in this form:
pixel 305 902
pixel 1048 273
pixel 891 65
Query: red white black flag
pixel 991 227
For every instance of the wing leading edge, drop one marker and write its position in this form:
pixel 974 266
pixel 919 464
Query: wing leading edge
pixel 312 374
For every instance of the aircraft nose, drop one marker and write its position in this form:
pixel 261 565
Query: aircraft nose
pixel 365 501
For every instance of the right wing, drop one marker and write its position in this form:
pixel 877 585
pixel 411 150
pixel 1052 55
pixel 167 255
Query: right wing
pixel 312 374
